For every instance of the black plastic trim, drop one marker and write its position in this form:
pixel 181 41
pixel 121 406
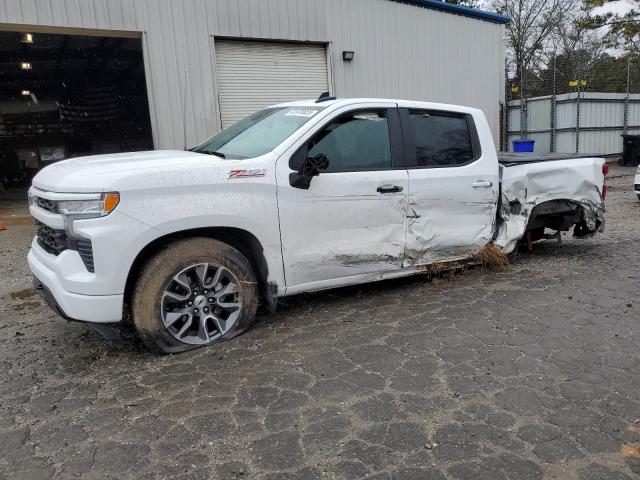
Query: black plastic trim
pixel 48 205
pixel 108 331
pixel 49 299
pixel 55 242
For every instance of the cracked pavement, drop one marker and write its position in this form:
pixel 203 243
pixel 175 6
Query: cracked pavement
pixel 531 373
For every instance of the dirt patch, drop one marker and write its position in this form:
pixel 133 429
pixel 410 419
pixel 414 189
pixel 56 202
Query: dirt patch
pixel 17 220
pixel 23 294
pixel 630 451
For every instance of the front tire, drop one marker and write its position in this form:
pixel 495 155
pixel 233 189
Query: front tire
pixel 193 293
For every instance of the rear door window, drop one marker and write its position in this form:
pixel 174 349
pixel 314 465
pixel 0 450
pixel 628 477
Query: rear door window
pixel 439 139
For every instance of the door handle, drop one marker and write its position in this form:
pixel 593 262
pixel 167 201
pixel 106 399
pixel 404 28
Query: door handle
pixel 389 189
pixel 482 184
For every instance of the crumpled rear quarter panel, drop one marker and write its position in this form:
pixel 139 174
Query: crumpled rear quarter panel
pixel 530 184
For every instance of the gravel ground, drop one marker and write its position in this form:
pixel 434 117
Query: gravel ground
pixel 15 240
pixel 531 373
pixel 14 245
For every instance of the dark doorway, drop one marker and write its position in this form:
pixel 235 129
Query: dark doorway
pixel 64 96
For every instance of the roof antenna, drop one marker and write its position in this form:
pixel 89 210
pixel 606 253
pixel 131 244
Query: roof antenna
pixel 324 97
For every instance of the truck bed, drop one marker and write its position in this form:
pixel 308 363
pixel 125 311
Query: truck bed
pixel 509 159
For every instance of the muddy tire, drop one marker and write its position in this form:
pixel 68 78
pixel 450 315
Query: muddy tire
pixel 193 293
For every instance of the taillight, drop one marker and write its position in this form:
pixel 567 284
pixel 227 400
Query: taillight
pixel 605 171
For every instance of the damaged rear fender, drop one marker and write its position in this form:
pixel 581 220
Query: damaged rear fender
pixel 515 217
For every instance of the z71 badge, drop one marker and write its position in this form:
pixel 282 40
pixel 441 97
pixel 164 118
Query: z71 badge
pixel 255 172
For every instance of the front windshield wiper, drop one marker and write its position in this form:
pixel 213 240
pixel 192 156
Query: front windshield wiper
pixel 217 154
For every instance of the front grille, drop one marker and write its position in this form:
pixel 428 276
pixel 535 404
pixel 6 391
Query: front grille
pixel 55 241
pixel 51 240
pixel 47 205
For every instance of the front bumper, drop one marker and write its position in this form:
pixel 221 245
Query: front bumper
pixel 73 306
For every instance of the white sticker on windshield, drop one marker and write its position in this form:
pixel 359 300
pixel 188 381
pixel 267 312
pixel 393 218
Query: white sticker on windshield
pixel 301 113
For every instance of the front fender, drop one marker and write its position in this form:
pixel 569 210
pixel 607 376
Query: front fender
pixel 248 205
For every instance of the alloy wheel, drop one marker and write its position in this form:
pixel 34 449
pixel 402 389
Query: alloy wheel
pixel 201 303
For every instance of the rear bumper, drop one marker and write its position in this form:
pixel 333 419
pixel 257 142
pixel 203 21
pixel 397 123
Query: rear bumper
pixel 73 306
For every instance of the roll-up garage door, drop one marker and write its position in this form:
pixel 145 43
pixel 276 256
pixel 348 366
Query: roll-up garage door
pixel 253 75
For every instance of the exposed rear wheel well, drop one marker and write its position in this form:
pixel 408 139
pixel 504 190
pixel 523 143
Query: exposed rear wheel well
pixel 555 214
pixel 243 241
pixel 559 215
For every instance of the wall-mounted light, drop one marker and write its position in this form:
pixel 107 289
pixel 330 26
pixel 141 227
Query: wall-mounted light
pixel 25 93
pixel 26 38
pixel 347 55
pixel 25 66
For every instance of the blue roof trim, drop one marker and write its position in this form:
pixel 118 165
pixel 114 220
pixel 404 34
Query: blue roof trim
pixel 460 10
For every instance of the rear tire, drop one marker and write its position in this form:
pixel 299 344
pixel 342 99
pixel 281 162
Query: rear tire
pixel 193 293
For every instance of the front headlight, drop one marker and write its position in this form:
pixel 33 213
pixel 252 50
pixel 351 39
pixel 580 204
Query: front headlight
pixel 90 208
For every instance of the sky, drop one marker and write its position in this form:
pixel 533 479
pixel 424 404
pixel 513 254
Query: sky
pixel 619 7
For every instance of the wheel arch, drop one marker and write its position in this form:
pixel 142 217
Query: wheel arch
pixel 242 240
pixel 558 214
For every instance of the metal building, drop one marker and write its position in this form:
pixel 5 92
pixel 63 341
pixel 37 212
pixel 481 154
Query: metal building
pixel 209 62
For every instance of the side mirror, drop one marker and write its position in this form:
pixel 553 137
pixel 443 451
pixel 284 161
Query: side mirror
pixel 311 167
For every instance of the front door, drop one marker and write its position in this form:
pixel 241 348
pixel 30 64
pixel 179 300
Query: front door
pixel 351 221
pixel 453 185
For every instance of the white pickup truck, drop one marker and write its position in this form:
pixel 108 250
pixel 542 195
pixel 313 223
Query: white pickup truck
pixel 301 196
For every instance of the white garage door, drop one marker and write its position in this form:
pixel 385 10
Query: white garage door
pixel 254 75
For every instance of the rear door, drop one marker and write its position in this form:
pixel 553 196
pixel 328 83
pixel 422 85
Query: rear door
pixel 351 221
pixel 453 184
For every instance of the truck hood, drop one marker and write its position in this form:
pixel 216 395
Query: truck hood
pixel 102 173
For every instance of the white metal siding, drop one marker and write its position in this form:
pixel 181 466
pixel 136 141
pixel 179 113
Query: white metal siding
pixel 538 115
pixel 254 75
pixel 401 51
pixel 601 121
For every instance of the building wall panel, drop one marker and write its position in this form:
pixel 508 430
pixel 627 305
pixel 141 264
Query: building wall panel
pixel 401 50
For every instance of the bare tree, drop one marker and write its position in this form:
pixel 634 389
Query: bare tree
pixel 530 31
pixel 580 47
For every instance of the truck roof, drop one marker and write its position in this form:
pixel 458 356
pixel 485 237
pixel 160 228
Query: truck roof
pixel 339 102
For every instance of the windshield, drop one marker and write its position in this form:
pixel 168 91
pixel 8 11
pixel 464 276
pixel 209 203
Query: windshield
pixel 259 133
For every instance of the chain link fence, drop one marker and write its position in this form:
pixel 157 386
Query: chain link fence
pixel 574 105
